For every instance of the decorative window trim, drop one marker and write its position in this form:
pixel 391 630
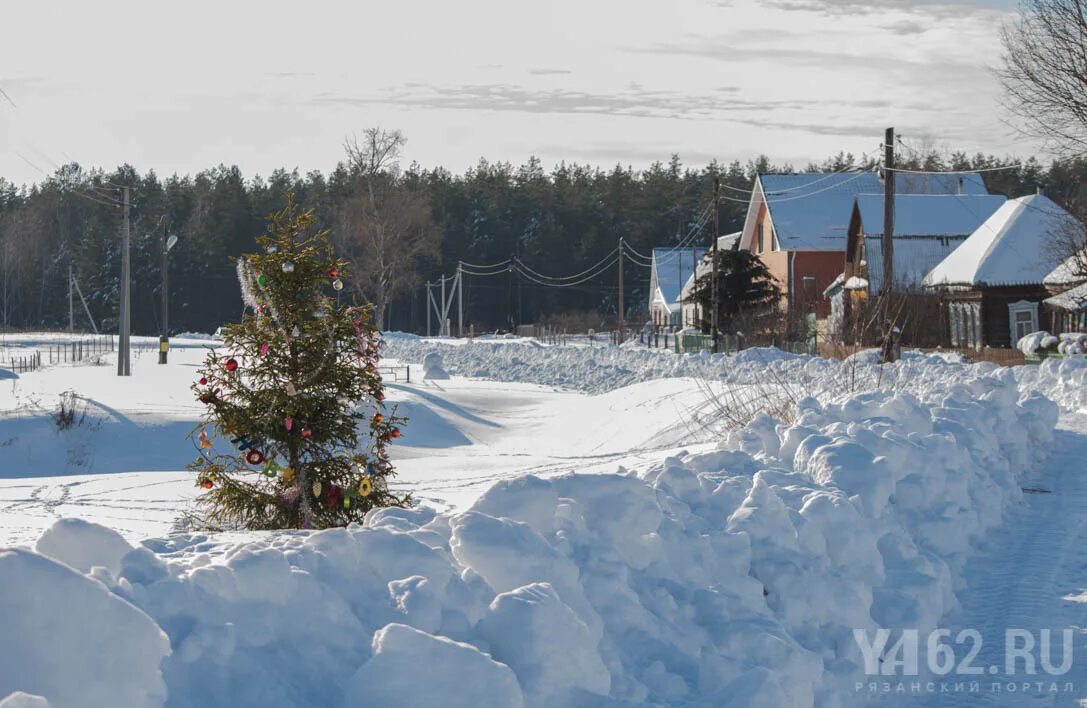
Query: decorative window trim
pixel 1015 308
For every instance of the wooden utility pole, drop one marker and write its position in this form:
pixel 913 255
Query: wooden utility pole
pixel 124 363
pixel 71 303
pixel 713 280
pixel 888 214
pixel 164 331
pixel 460 299
pixel 622 309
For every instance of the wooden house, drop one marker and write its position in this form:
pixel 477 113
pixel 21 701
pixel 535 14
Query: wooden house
pixel 993 284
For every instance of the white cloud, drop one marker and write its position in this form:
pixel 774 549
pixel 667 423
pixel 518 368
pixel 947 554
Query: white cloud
pixel 273 84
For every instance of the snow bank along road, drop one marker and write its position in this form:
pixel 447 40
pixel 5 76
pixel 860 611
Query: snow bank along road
pixel 732 574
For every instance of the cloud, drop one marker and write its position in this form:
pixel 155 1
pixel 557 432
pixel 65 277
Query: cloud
pixel 632 102
pixel 544 71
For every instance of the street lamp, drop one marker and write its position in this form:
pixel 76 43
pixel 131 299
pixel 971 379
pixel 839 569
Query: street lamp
pixel 168 242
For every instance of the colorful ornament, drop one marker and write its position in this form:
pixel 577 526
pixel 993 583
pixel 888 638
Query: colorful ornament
pixel 271 468
pixel 347 502
pixel 288 266
pixel 264 349
pixel 205 442
pixel 316 489
pixel 337 284
pixel 333 273
pixel 207 483
pixel 232 364
pixel 306 432
pixel 272 248
pixel 288 476
pixel 365 487
pixel 291 390
pixel 254 457
pixel 394 433
pixel 295 331
pixel 378 418
pixel 203 381
pixel 334 496
pixel 262 280
pixel 288 422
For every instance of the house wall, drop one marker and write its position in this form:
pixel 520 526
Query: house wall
pixel 994 311
pixel 823 267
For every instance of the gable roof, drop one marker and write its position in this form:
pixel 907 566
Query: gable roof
pixel 811 211
pixel 1073 300
pixel 929 215
pixel 1011 247
pixel 671 268
pixel 927 228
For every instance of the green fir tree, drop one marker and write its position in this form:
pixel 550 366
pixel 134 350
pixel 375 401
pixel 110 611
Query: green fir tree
pixel 287 394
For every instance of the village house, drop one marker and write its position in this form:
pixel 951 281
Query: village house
pixel 927 228
pixel 798 224
pixel 669 270
pixel 692 311
pixel 994 283
pixel 1066 309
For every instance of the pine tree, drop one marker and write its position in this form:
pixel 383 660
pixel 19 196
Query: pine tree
pixel 746 292
pixel 288 391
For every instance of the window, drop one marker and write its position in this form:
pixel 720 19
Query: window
pixel 760 238
pixel 1023 319
pixel 1024 324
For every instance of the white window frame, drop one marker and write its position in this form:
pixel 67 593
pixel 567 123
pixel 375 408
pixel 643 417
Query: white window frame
pixel 1014 309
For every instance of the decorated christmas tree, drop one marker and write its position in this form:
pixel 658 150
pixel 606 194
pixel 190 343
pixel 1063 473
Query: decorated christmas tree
pixel 295 434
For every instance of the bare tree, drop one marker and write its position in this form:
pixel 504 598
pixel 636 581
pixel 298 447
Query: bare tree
pixel 1044 71
pixel 385 228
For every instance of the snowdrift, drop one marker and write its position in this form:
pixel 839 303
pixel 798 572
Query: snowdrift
pixel 1063 380
pixel 729 578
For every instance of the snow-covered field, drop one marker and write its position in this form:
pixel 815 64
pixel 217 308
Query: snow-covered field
pixel 595 530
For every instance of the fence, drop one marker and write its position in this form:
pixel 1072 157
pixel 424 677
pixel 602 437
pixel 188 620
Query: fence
pixel 79 350
pixel 396 372
pixel 23 364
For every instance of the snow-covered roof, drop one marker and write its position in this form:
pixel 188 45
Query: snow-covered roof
pixel 1074 299
pixel 856 283
pixel 729 241
pixel 1067 272
pixel 671 269
pixel 929 215
pixel 1012 247
pixel 811 211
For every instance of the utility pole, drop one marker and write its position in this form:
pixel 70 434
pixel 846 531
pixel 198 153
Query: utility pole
pixel 124 363
pixel 441 325
pixel 622 308
pixel 888 214
pixel 460 300
pixel 428 304
pixel 713 279
pixel 164 333
pixel 71 303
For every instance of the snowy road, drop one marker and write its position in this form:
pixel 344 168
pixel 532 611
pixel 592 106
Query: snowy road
pixel 1032 575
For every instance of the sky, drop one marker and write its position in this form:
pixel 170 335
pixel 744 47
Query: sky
pixel 179 87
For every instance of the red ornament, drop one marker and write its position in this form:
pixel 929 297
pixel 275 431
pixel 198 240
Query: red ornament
pixel 254 457
pixel 394 433
pixel 232 364
pixel 207 484
pixel 334 496
pixel 306 432
pixel 333 273
pixel 203 381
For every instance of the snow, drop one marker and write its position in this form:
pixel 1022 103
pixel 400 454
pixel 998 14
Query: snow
pixel 433 368
pixel 1074 299
pixel 671 269
pixel 1010 248
pixel 619 545
pixel 69 639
